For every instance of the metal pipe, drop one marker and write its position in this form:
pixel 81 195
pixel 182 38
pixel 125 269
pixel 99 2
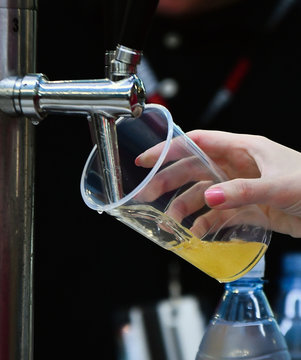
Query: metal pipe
pixel 17 57
pixel 109 164
pixel 35 96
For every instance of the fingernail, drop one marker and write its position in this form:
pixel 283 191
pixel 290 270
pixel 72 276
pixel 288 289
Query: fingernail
pixel 137 160
pixel 215 196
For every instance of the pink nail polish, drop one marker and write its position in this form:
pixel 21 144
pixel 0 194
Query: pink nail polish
pixel 215 196
pixel 137 160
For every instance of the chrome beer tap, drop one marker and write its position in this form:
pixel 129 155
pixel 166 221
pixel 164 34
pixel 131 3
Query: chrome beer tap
pixel 27 97
pixel 102 101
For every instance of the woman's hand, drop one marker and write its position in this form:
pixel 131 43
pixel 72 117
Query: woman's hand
pixel 261 171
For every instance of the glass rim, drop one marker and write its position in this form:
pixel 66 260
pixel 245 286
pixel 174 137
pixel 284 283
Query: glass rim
pixel 107 207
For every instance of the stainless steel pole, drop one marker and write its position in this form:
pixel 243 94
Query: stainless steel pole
pixel 17 57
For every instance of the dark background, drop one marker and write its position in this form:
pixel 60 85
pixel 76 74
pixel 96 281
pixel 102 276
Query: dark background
pixel 89 267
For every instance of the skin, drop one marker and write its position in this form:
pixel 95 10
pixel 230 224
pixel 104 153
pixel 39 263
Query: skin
pixel 261 172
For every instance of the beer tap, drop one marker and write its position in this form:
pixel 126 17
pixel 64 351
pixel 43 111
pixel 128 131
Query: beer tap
pixel 25 97
pixel 103 101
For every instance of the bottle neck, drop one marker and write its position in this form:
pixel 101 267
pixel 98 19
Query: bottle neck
pixel 245 282
pixel 244 300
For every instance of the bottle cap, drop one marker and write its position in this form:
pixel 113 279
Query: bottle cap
pixel 291 264
pixel 258 270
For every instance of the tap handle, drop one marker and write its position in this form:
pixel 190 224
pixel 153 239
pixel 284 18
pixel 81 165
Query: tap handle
pixel 113 14
pixel 137 22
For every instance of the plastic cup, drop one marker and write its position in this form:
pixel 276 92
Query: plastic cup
pixel 163 197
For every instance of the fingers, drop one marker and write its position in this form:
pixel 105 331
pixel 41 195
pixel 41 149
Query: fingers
pixel 233 153
pixel 175 176
pixel 263 172
pixel 179 148
pixel 206 140
pixel 187 203
pixel 175 151
pixel 215 143
pixel 229 151
pixel 239 192
pixel 149 157
pixel 214 220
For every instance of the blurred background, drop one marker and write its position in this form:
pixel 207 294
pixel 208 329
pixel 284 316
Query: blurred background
pixel 218 64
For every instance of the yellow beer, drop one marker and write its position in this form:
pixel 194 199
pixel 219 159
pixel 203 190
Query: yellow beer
pixel 221 259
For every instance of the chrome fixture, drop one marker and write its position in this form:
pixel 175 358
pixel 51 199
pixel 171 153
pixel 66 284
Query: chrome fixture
pixel 25 99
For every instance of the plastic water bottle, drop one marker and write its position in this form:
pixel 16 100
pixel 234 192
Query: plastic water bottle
pixel 289 303
pixel 244 326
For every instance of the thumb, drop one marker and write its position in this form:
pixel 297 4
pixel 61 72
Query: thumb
pixel 238 192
